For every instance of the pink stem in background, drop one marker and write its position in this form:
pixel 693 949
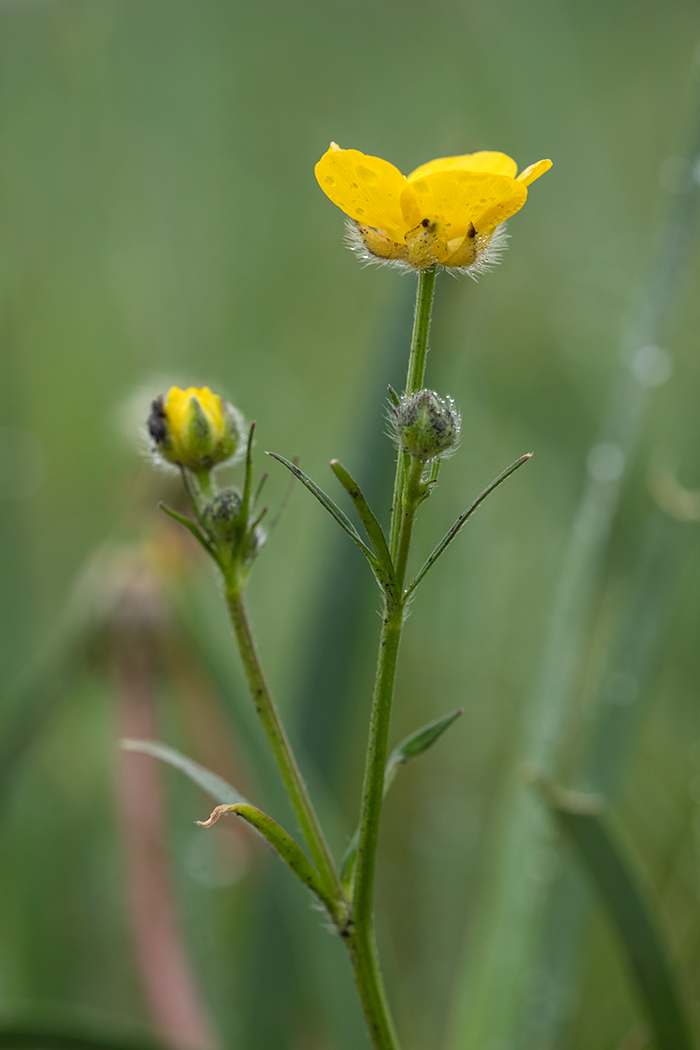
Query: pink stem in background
pixel 174 1004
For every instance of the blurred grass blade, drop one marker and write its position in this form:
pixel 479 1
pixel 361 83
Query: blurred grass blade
pixel 372 526
pixel 18 1037
pixel 649 599
pixel 282 843
pixel 462 520
pixel 580 819
pixel 332 508
pixel 412 745
pixel 504 957
pixel 214 785
pixel 417 743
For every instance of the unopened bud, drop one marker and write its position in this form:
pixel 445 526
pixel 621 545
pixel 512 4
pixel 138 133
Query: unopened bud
pixel 231 536
pixel 427 426
pixel 194 428
pixel 221 516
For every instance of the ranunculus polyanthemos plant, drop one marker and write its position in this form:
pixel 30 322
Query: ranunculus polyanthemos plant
pixel 448 213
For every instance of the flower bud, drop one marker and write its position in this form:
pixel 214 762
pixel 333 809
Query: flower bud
pixel 221 516
pixel 194 428
pixel 232 537
pixel 427 426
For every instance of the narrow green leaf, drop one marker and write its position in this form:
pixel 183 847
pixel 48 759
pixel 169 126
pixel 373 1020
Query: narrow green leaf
pixel 230 801
pixel 247 485
pixel 282 843
pixel 347 864
pixel 332 508
pixel 412 745
pixel 462 519
pixel 372 526
pixel 214 785
pixel 196 532
pixel 579 817
pixel 416 744
pixel 259 489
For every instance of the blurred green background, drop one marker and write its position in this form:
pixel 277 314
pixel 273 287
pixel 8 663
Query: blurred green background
pixel 160 223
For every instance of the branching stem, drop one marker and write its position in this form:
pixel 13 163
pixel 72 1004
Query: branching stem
pixel 407 497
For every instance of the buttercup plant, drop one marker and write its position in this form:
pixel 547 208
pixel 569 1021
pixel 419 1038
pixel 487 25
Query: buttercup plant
pixel 448 213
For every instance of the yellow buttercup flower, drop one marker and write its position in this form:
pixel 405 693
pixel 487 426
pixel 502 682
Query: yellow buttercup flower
pixel 448 211
pixel 194 428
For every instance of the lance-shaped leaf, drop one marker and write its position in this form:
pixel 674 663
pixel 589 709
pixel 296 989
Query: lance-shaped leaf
pixel 214 785
pixel 580 818
pixel 462 520
pixel 194 529
pixel 372 526
pixel 247 484
pixel 332 508
pixel 416 744
pixel 282 843
pixel 230 801
pixel 412 745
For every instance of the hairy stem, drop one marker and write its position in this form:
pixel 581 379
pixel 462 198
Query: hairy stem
pixel 405 503
pixel 414 383
pixel 282 750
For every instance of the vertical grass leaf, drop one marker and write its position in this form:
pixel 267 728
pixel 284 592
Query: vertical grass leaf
pixel 580 818
pixel 33 1036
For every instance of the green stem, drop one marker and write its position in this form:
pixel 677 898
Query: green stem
pixel 410 502
pixel 421 329
pixel 282 750
pixel 414 383
pixel 406 500
pixel 206 485
pixel 367 972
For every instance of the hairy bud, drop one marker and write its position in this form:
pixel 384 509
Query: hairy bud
pixel 427 426
pixel 221 516
pixel 194 428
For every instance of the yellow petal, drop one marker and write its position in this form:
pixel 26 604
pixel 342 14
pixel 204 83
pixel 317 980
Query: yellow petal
pixel 458 199
pixel 365 188
pixel 534 171
pixel 178 407
pixel 377 243
pixel 484 160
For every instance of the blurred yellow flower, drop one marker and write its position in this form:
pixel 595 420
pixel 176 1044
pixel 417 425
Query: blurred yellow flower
pixel 445 212
pixel 194 428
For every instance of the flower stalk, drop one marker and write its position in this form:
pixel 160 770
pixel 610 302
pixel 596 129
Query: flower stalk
pixel 281 747
pixel 414 382
pixel 408 494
